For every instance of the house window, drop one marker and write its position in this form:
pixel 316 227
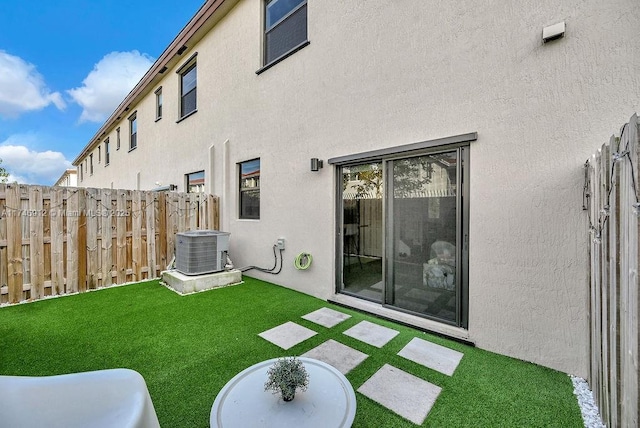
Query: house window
pixel 106 152
pixel 195 182
pixel 99 154
pixel 285 28
pixel 91 164
pixel 81 172
pixel 133 131
pixel 118 138
pixel 250 189
pixel 159 103
pixel 188 85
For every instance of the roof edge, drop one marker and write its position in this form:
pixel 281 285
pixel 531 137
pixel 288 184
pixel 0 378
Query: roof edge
pixel 205 12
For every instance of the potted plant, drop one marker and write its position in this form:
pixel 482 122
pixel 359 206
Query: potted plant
pixel 285 376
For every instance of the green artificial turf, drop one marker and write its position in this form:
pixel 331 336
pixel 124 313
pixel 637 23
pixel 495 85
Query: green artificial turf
pixel 188 347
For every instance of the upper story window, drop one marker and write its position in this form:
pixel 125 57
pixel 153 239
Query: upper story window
pixel 195 182
pixel 81 168
pixel 285 28
pixel 99 154
pixel 159 103
pixel 250 189
pixel 188 86
pixel 133 131
pixel 118 138
pixel 106 152
pixel 91 164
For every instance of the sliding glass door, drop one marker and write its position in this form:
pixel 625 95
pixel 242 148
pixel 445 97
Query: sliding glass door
pixel 404 229
pixel 425 232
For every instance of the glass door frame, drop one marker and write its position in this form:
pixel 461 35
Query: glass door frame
pixel 462 142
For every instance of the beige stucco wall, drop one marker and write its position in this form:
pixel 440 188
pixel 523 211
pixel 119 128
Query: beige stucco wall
pixel 379 75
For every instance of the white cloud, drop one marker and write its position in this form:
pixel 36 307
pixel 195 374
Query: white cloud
pixel 22 88
pixel 25 165
pixel 111 79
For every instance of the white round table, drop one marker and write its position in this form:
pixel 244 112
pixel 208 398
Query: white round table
pixel 329 401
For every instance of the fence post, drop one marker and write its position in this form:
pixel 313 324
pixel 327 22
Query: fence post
pixel 629 275
pixel 150 205
pixel 136 251
pixel 14 243
pixel 92 213
pixel 614 303
pixel 36 241
pixel 106 237
pixel 56 223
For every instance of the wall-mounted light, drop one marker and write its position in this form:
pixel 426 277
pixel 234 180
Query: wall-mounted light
pixel 553 32
pixel 316 164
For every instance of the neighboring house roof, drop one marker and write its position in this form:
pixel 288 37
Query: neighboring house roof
pixel 68 174
pixel 204 19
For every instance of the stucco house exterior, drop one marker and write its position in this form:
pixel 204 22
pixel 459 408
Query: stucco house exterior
pixel 452 139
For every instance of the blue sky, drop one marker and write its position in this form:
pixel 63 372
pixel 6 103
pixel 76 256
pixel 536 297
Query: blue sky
pixel 65 65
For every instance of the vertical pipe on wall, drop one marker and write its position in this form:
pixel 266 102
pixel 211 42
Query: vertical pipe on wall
pixel 224 206
pixel 209 182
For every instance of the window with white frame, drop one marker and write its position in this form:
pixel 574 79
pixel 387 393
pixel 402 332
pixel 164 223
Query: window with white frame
pixel 285 28
pixel 106 152
pixel 249 189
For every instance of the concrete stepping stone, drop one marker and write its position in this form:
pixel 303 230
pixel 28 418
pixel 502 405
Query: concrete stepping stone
pixel 287 335
pixel 342 357
pixel 431 355
pixel 326 317
pixel 371 333
pixel 401 392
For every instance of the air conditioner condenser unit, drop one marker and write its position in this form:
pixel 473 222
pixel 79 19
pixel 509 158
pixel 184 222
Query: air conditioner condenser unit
pixel 201 251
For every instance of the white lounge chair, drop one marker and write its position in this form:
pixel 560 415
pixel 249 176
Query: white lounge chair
pixel 105 398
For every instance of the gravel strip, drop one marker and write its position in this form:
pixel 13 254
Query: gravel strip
pixel 588 407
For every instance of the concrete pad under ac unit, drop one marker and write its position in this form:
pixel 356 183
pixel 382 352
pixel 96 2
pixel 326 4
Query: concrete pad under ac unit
pixel 186 284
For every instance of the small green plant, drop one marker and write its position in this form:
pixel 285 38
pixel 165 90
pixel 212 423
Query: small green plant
pixel 285 376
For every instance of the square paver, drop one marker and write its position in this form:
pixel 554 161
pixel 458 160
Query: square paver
pixel 287 335
pixel 371 333
pixel 431 355
pixel 401 392
pixel 342 357
pixel 326 317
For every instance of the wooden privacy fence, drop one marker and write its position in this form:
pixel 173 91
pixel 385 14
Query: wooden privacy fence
pixel 611 198
pixel 59 240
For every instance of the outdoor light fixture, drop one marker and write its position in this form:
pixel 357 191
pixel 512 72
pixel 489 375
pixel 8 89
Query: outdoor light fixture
pixel 553 32
pixel 316 164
